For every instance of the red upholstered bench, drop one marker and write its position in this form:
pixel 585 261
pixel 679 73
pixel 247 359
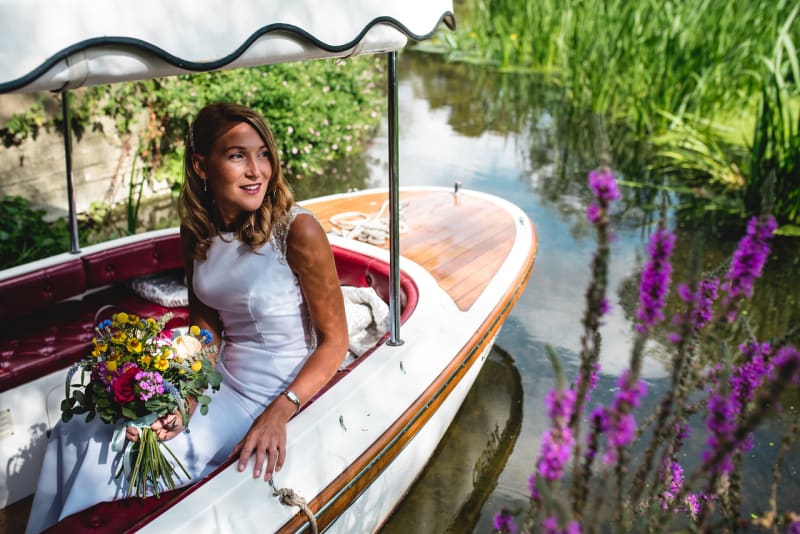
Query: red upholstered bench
pixel 48 314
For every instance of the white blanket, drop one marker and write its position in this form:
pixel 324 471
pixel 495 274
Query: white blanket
pixel 367 319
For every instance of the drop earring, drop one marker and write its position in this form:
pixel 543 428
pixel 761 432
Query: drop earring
pixel 205 186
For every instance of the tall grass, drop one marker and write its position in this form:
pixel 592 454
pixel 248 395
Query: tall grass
pixel 775 155
pixel 688 75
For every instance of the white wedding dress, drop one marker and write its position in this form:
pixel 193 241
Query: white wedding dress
pixel 267 338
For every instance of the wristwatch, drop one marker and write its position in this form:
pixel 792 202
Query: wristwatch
pixel 292 397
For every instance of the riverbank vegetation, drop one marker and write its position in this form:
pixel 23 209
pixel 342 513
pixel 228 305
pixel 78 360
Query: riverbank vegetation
pixel 319 111
pixel 711 87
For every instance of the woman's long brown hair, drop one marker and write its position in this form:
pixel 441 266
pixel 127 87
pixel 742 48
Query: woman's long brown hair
pixel 196 206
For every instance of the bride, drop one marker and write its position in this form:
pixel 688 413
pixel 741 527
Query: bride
pixel 262 279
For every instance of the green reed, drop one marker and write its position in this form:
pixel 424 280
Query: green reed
pixel 688 77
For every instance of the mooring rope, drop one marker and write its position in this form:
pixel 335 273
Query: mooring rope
pixel 372 229
pixel 289 497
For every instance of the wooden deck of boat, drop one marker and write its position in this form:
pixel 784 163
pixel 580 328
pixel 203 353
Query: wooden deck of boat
pixel 462 240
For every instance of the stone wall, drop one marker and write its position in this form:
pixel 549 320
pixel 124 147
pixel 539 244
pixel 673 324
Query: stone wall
pixel 36 169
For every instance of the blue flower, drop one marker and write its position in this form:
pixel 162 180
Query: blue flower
pixel 206 336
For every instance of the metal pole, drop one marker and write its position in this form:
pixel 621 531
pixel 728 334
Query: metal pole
pixel 73 216
pixel 394 207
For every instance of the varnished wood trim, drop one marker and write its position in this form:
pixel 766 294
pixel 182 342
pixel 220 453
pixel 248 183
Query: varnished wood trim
pixel 333 500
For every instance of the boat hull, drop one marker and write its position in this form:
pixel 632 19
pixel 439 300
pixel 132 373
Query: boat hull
pixel 354 456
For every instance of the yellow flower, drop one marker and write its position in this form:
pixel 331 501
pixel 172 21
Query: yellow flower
pixel 119 337
pixel 121 317
pixel 161 364
pixel 111 366
pixel 194 330
pixel 197 365
pixel 134 345
pixel 145 360
pixel 513 36
pixel 166 352
pixel 473 35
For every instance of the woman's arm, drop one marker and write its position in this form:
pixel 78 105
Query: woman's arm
pixel 310 257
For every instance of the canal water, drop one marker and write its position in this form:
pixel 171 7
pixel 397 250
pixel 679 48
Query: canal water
pixel 507 135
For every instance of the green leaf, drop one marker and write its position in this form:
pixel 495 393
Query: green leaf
pixel 788 230
pixel 129 413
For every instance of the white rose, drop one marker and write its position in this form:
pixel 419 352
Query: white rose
pixel 186 346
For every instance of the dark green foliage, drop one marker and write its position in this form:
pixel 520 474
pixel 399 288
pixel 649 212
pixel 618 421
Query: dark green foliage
pixel 25 235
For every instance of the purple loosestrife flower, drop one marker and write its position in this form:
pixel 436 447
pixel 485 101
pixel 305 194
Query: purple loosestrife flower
pixel 721 422
pixel 748 260
pixel 675 474
pixel 603 185
pixel 749 375
pixel 794 528
pixel 700 306
pixel 503 522
pixel 594 213
pixel 787 365
pixel 620 422
pixel 557 442
pixel 550 526
pixel 694 502
pixel 655 281
pixel 532 488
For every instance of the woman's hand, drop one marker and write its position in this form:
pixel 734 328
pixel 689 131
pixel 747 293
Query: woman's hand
pixel 266 438
pixel 166 427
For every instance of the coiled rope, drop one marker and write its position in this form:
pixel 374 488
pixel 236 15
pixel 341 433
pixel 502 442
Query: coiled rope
pixel 289 497
pixel 372 229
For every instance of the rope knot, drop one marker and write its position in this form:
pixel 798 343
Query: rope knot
pixel 289 497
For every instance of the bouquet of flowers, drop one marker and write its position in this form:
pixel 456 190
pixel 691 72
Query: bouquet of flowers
pixel 137 372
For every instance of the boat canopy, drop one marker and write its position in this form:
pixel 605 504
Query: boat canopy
pixel 62 45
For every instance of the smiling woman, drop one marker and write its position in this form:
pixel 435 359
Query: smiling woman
pixel 237 170
pixel 262 281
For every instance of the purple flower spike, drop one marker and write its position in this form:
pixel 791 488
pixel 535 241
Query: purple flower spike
pixel 503 522
pixel 721 422
pixel 621 425
pixel 594 213
pixel 655 281
pixel 550 526
pixel 675 473
pixel 749 259
pixel 557 442
pixel 603 185
pixel 787 363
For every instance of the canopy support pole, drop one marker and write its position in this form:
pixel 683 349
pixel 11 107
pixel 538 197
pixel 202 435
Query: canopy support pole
pixel 66 119
pixel 394 207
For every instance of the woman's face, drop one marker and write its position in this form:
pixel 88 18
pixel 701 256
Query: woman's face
pixel 237 170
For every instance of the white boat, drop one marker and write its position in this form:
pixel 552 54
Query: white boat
pixel 450 280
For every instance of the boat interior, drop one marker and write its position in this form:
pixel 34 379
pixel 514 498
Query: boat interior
pixel 50 315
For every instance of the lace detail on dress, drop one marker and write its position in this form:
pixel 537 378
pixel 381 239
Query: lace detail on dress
pixel 280 235
pixel 280 232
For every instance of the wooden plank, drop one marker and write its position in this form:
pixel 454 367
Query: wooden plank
pixel 461 240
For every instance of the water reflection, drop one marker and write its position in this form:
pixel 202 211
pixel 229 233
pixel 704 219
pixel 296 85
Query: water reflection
pixel 464 469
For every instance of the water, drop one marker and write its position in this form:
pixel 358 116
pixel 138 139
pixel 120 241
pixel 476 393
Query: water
pixel 506 135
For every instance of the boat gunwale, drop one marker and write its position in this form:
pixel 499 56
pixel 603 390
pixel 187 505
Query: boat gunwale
pixel 419 412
